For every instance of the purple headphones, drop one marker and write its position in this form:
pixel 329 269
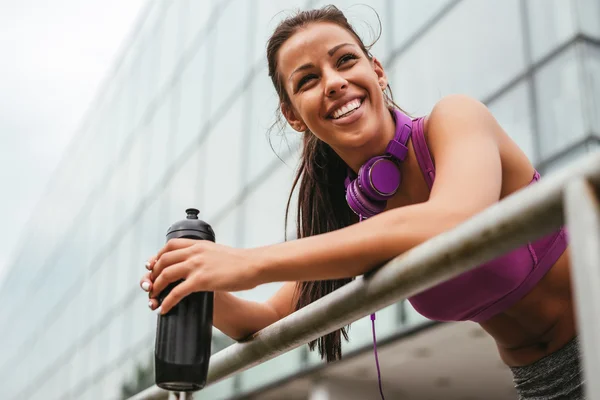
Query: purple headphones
pixel 379 178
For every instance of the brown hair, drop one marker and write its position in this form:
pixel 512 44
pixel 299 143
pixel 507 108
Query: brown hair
pixel 322 204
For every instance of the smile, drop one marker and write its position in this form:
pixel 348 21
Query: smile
pixel 347 109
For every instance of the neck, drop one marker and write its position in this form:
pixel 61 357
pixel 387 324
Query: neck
pixel 355 158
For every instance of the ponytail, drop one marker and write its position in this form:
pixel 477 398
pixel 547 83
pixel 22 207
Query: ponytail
pixel 321 208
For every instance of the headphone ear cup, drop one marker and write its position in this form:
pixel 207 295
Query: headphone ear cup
pixel 360 203
pixel 379 178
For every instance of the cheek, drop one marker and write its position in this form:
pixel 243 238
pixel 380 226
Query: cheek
pixel 308 106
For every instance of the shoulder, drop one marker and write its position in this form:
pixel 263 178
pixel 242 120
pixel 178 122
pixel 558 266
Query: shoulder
pixel 459 117
pixel 459 109
pixel 463 139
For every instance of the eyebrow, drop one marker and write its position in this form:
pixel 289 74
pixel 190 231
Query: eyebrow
pixel 336 48
pixel 310 65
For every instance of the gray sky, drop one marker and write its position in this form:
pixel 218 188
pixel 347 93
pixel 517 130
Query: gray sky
pixel 54 56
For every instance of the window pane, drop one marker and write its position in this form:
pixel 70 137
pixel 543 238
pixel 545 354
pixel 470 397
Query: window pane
pixel 364 21
pixel 158 133
pixel 116 123
pixel 551 23
pixel 130 334
pixel 265 209
pixel 143 320
pixel 149 68
pixel 115 337
pixel 100 354
pixel 150 232
pixel 262 112
pixel 184 187
pixel 101 214
pixel 227 228
pixel 12 380
pixel 130 262
pixel 230 51
pixel 127 377
pixel 267 15
pixel 128 94
pixel 222 170
pixel 275 369
pixel 558 94
pixel 463 53
pixel 136 171
pixel 89 293
pixel 413 15
pixel 64 333
pixel 170 44
pixel 78 311
pixel 58 381
pixel 118 268
pixel 196 15
pixel 514 114
pixel 588 13
pixel 112 207
pixel 137 79
pixel 192 114
pixel 105 298
pixel 591 84
pixel 79 362
pixel 570 156
pixel 98 153
pixel 264 213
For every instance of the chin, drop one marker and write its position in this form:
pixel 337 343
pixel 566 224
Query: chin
pixel 359 139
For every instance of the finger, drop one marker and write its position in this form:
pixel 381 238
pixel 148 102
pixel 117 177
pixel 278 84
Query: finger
pixel 146 283
pixel 150 263
pixel 179 292
pixel 169 275
pixel 153 304
pixel 168 259
pixel 175 244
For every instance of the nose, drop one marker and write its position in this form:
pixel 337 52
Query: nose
pixel 335 84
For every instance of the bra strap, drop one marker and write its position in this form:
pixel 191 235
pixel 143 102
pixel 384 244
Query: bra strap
pixel 422 152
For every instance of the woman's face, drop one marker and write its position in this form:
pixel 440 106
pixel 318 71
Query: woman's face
pixel 334 89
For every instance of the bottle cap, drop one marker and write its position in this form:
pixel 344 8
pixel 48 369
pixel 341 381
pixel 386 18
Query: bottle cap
pixel 191 227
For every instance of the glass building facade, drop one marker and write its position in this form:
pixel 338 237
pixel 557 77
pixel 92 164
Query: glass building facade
pixel 183 121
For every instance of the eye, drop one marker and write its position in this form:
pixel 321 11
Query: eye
pixel 345 58
pixel 305 79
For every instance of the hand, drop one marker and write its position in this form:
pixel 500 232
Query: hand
pixel 203 265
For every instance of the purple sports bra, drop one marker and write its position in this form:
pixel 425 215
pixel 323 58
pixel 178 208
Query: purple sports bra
pixel 483 292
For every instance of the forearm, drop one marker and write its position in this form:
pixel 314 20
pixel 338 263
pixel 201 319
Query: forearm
pixel 239 318
pixel 354 250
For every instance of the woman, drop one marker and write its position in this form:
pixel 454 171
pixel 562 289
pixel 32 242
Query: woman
pixel 437 171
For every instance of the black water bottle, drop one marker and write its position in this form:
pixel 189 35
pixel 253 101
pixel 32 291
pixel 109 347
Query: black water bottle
pixel 184 334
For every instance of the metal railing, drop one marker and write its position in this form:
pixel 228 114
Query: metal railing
pixel 568 196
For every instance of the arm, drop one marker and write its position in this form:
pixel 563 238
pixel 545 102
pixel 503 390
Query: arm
pixel 238 318
pixel 463 141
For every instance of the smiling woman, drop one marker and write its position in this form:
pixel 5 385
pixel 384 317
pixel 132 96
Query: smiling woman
pixel 323 59
pixel 407 180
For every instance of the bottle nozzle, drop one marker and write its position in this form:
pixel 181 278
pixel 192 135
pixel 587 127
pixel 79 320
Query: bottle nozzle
pixel 192 213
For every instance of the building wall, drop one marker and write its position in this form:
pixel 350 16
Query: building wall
pixel 183 122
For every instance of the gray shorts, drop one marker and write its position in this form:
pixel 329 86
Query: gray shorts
pixel 556 376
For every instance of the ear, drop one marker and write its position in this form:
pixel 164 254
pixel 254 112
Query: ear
pixel 290 115
pixel 381 76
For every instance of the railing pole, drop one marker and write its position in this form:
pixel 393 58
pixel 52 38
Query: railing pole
pixel 527 215
pixel 582 214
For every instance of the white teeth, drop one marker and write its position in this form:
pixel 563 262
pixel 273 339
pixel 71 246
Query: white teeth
pixel 346 108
